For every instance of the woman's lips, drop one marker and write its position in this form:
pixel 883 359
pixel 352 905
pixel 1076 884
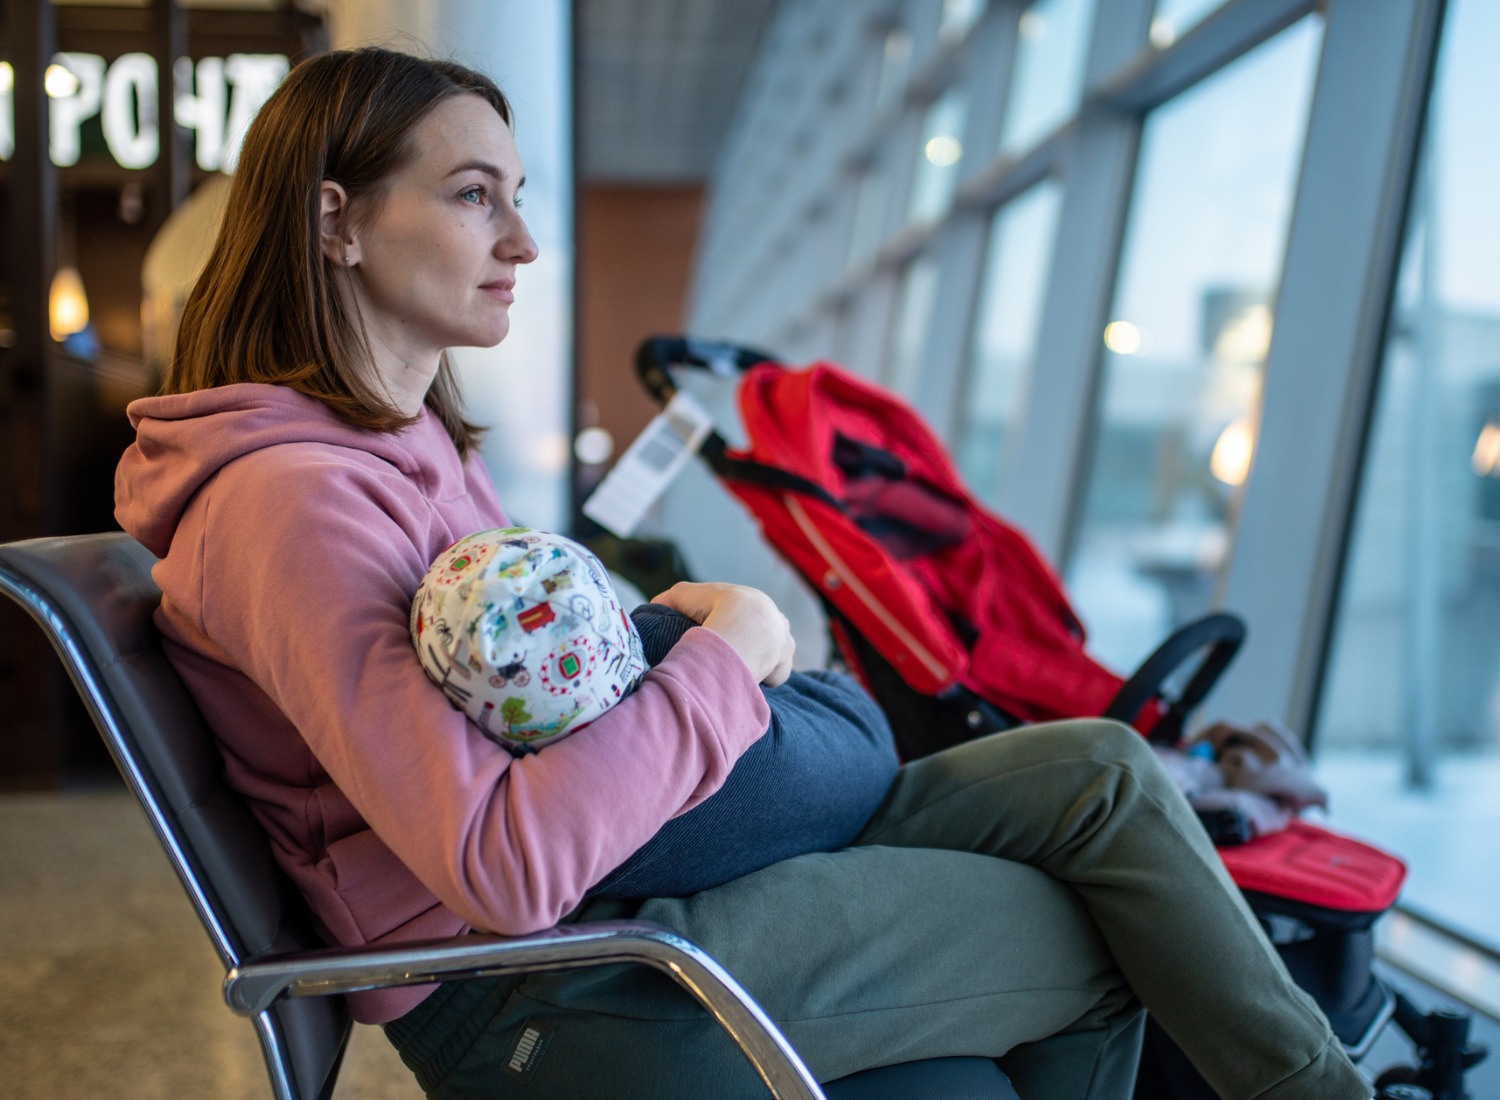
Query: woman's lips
pixel 503 289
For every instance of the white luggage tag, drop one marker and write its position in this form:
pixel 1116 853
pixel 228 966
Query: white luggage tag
pixel 649 465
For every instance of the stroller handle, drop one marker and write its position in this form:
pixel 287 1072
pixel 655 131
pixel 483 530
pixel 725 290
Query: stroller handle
pixel 657 354
pixel 1220 634
pixel 653 360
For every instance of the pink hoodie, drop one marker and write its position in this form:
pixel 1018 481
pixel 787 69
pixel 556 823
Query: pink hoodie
pixel 291 545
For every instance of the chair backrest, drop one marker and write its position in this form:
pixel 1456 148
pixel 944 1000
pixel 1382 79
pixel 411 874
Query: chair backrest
pixel 94 598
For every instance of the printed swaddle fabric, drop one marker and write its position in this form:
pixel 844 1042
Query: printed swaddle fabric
pixel 524 633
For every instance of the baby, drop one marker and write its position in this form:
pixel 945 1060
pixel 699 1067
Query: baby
pixel 523 632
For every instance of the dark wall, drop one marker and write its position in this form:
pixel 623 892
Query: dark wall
pixel 62 418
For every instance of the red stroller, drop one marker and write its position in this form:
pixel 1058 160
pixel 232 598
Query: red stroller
pixel 959 628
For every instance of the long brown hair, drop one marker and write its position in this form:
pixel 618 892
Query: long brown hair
pixel 266 308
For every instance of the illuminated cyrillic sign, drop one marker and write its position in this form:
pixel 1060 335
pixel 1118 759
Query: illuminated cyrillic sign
pixel 215 97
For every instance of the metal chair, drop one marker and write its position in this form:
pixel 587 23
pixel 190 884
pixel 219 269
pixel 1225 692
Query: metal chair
pixel 93 596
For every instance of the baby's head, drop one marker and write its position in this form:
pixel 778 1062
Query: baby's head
pixel 523 632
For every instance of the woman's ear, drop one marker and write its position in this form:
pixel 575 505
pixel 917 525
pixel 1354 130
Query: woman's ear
pixel 334 238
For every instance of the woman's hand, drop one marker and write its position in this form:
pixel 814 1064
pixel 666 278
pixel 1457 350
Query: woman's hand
pixel 744 617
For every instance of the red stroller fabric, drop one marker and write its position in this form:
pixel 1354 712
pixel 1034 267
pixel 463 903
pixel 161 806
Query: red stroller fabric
pixel 1308 863
pixel 1026 653
pixel 974 604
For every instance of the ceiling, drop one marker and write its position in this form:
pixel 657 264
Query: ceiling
pixel 657 82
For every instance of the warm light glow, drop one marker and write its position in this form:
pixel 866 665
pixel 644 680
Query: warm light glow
pixel 1230 461
pixel 593 446
pixel 7 78
pixel 60 81
pixel 1032 25
pixel 1122 338
pixel 1163 33
pixel 1486 460
pixel 67 306
pixel 944 150
pixel 1247 337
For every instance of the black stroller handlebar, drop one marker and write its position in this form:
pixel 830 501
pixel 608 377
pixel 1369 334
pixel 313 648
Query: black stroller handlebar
pixel 657 354
pixel 1221 634
pixel 654 360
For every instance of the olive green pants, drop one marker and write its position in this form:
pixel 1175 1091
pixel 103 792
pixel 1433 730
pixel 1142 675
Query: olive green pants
pixel 1017 897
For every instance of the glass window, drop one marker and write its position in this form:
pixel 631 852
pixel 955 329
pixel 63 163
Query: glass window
pixel 868 229
pixel 904 357
pixel 1186 339
pixel 895 64
pixel 1004 339
pixel 958 16
pixel 1408 731
pixel 1174 18
pixel 938 155
pixel 1049 71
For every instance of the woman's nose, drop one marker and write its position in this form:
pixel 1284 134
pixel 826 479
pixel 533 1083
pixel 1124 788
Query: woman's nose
pixel 517 244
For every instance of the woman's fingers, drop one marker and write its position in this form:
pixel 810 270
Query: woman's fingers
pixel 783 668
pixel 693 599
pixel 744 617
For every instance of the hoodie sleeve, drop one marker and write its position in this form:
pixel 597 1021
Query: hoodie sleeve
pixel 307 589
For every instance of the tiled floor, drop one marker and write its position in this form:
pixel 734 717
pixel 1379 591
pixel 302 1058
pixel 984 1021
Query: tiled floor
pixel 108 987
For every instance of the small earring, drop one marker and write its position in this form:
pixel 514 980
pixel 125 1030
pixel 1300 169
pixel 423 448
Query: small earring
pixel 346 257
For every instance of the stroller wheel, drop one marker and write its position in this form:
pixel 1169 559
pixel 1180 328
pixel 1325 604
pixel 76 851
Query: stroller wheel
pixel 1441 1038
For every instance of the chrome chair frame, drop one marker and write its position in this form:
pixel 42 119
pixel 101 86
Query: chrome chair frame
pixel 253 987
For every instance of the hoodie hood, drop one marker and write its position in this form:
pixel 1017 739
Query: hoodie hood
pixel 184 440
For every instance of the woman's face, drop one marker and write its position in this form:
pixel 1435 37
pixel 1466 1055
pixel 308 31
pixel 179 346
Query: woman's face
pixel 433 263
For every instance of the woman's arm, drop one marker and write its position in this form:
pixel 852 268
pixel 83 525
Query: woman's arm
pixel 307 591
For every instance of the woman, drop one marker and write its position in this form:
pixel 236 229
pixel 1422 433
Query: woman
pixel 1019 896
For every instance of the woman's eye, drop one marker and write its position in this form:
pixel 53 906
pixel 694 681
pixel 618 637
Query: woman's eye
pixel 517 202
pixel 474 194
